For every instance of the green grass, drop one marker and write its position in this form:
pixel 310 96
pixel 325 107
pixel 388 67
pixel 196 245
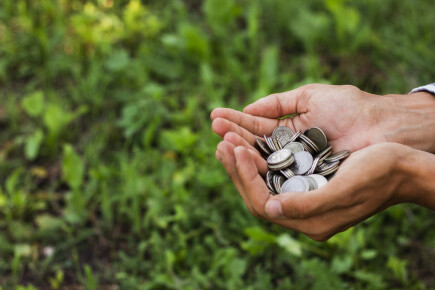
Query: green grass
pixel 107 167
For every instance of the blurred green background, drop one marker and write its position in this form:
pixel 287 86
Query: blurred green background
pixel 107 169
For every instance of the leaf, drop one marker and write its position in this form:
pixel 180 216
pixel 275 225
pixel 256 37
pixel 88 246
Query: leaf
pixel 179 140
pixel 368 254
pixel 23 250
pixel 55 118
pixel 73 168
pixel 259 234
pixel 118 61
pixel 342 264
pixel 375 280
pixel 32 145
pixel 290 245
pixel 33 104
pixel 237 267
pixel 398 267
pixel 48 222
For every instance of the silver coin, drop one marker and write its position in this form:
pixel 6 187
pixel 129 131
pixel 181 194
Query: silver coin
pixel 282 165
pixel 326 166
pixel 307 148
pixel 271 144
pixel 312 182
pixel 294 147
pixel 269 181
pixel 263 146
pixel 320 180
pixel 295 136
pixel 324 154
pixel 282 135
pixel 279 156
pixel 318 137
pixel 313 167
pixel 302 163
pixel 295 184
pixel 330 170
pixel 310 143
pixel 278 180
pixel 287 173
pixel 276 144
pixel 337 156
pixel 325 151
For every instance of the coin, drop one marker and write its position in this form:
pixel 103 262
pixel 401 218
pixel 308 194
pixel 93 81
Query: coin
pixel 278 180
pixel 287 173
pixel 279 156
pixel 313 167
pixel 324 154
pixel 331 170
pixel 282 135
pixel 337 156
pixel 310 143
pixel 263 146
pixel 326 166
pixel 318 137
pixel 292 164
pixel 321 160
pixel 269 180
pixel 295 184
pixel 276 144
pixel 324 151
pixel 307 148
pixel 283 164
pixel 270 144
pixel 302 163
pixel 294 147
pixel 295 136
pixel 320 180
pixel 312 182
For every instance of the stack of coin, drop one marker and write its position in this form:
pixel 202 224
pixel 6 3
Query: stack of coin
pixel 298 162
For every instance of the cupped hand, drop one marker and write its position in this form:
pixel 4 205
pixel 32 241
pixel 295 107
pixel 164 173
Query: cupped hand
pixel 348 116
pixel 352 119
pixel 369 181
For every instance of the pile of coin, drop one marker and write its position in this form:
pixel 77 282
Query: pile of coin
pixel 298 162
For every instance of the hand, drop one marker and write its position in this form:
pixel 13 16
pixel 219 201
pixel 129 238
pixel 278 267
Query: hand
pixel 369 181
pixel 351 119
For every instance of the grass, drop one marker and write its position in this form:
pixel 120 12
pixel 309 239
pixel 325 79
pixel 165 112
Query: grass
pixel 107 166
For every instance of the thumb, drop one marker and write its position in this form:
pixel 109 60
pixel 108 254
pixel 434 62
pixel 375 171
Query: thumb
pixel 280 104
pixel 302 205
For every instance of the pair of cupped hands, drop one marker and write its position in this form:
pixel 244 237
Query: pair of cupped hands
pixel 379 173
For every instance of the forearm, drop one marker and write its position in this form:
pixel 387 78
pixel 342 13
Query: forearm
pixel 418 185
pixel 409 120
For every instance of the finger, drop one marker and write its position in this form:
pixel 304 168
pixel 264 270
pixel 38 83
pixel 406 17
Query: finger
pixel 253 184
pixel 226 150
pixel 303 205
pixel 236 140
pixel 222 126
pixel 256 125
pixel 282 104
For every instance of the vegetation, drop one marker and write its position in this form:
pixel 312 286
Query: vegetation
pixel 107 167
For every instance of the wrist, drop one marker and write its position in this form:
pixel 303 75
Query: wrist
pixel 418 171
pixel 409 120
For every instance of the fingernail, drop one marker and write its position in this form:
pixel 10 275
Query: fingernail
pixel 273 209
pixel 219 156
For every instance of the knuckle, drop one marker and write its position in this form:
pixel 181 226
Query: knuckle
pixel 302 210
pixel 254 212
pixel 351 89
